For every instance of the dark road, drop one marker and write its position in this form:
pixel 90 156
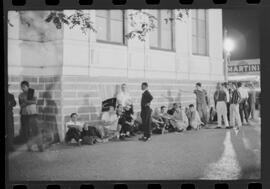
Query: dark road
pixel 204 154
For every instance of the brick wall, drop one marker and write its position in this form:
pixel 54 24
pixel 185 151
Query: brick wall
pixel 84 94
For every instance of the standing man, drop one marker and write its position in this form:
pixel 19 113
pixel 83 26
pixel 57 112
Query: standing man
pixel 234 108
pixel 226 89
pixel 30 131
pixel 221 99
pixel 252 101
pixel 146 112
pixel 202 102
pixel 10 122
pixel 243 105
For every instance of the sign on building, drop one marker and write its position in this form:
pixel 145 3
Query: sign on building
pixel 244 67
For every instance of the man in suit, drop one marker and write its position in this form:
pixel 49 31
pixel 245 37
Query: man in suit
pixel 146 112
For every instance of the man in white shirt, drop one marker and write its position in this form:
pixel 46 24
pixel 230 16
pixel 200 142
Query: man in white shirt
pixel 243 105
pixel 123 96
pixel 74 129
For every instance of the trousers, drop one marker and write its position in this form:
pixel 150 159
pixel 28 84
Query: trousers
pixel 234 115
pixel 202 110
pixel 222 112
pixel 146 121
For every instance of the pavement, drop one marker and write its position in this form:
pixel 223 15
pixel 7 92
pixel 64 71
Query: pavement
pixel 214 154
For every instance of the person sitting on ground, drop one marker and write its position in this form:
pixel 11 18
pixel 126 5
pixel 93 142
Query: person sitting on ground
pixel 127 123
pixel 158 124
pixel 194 118
pixel 89 134
pixel 74 129
pixel 179 120
pixel 165 117
pixel 110 124
pixel 173 109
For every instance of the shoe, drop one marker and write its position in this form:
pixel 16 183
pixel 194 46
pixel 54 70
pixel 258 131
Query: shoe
pixel 146 139
pixel 218 127
pixel 180 130
pixel 142 138
pixel 122 137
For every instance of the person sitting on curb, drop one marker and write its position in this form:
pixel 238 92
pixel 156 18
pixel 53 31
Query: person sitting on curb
pixel 74 129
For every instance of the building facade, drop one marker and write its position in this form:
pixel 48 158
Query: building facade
pixel 74 72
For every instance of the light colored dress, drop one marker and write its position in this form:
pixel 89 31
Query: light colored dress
pixel 123 98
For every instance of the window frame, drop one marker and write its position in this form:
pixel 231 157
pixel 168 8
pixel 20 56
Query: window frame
pixel 108 32
pixel 197 36
pixel 159 31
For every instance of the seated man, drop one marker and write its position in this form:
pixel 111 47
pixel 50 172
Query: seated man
pixel 194 117
pixel 179 120
pixel 90 134
pixel 173 109
pixel 110 124
pixel 158 125
pixel 74 129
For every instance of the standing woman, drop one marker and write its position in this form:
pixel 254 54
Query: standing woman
pixel 123 96
pixel 146 112
pixel 29 128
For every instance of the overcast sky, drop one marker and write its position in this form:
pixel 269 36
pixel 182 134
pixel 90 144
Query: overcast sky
pixel 243 28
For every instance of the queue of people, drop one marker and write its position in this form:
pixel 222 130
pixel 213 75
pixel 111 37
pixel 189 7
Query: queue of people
pixel 233 106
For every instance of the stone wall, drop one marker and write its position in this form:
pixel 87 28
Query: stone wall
pixel 58 97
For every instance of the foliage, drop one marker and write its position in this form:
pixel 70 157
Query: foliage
pixel 79 18
pixel 141 21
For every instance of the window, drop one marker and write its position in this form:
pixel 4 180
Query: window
pixel 110 26
pixel 199 32
pixel 162 36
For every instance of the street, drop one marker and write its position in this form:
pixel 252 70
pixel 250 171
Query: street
pixel 204 154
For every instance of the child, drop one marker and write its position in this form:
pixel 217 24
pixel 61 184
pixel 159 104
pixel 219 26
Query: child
pixel 194 118
pixel 74 129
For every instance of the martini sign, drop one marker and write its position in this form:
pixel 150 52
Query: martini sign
pixel 244 67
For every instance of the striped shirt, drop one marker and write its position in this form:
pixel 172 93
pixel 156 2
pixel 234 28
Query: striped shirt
pixel 236 97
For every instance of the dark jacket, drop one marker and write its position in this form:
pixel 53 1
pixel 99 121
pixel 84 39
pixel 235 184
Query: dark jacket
pixel 146 98
pixel 11 102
